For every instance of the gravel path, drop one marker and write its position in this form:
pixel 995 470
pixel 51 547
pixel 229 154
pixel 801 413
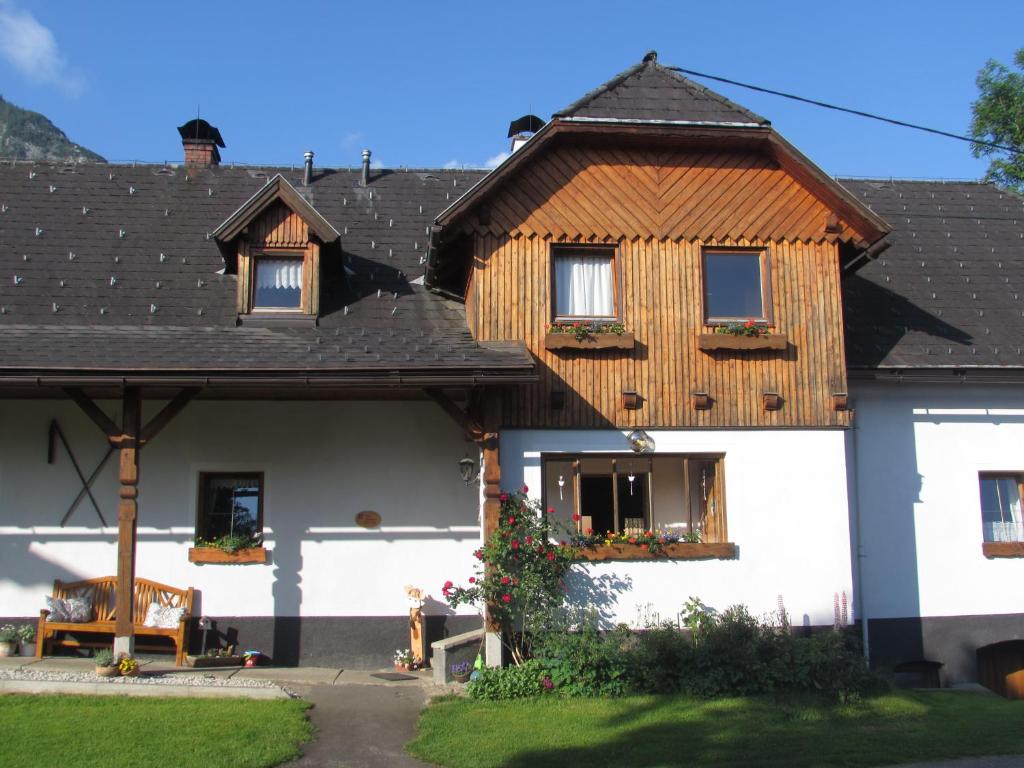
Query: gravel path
pixel 207 681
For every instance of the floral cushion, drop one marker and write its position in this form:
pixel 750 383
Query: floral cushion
pixel 163 616
pixel 76 610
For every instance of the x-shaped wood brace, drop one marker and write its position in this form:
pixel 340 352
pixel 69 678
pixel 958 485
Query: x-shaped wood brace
pixel 51 455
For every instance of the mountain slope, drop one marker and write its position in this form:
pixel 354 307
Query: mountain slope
pixel 26 135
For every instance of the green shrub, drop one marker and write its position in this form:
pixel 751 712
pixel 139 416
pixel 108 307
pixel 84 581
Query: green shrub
pixel 514 682
pixel 588 662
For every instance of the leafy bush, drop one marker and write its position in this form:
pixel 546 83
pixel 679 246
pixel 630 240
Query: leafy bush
pixel 515 682
pixel 587 662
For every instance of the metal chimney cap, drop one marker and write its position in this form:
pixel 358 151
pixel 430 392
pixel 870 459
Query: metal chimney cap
pixel 308 154
pixel 366 154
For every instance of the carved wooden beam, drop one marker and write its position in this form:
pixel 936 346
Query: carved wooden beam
pixel 167 413
pixel 127 516
pixel 468 424
pixel 94 412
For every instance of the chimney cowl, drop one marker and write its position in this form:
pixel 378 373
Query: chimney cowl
pixel 365 178
pixel 307 174
pixel 200 140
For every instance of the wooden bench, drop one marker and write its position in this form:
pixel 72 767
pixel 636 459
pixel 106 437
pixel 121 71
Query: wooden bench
pixel 102 593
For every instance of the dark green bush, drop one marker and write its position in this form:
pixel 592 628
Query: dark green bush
pixel 587 662
pixel 513 682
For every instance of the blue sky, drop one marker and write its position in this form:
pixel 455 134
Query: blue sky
pixel 430 84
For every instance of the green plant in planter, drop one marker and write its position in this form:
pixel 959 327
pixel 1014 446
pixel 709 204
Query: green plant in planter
pixel 520 573
pixel 584 329
pixel 8 634
pixel 747 328
pixel 26 633
pixel 232 542
pixel 103 658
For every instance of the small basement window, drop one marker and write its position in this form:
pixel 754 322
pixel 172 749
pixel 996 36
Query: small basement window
pixel 682 494
pixel 584 283
pixel 735 285
pixel 277 283
pixel 230 506
pixel 1001 518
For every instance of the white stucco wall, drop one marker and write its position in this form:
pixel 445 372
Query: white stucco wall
pixel 323 463
pixel 786 501
pixel 919 450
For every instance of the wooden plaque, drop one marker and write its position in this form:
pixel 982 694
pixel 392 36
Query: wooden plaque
pixel 368 519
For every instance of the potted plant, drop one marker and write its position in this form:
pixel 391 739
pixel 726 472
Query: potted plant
pixel 8 640
pixel 461 671
pixel 127 665
pixel 105 666
pixel 27 640
pixel 404 660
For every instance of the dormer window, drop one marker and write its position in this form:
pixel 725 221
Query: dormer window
pixel 274 243
pixel 277 283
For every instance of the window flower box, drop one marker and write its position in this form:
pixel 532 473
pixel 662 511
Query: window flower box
pixel 1003 548
pixel 592 341
pixel 217 555
pixel 675 551
pixel 715 341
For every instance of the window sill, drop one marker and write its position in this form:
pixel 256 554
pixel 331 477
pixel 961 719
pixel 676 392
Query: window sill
pixel 1003 548
pixel 214 555
pixel 714 341
pixel 593 341
pixel 680 551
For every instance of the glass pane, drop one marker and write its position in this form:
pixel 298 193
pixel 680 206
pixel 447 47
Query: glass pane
pixel 1001 509
pixel 230 507
pixel 732 286
pixel 278 284
pixel 583 286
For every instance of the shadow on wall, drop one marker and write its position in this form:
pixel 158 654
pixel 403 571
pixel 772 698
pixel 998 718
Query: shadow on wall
pixel 598 595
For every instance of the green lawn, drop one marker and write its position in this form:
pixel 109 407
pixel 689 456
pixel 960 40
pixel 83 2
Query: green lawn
pixel 677 730
pixel 124 732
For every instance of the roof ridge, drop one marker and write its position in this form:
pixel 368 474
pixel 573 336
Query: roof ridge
pixel 650 62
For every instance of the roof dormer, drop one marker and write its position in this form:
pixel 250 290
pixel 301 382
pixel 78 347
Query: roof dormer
pixel 275 242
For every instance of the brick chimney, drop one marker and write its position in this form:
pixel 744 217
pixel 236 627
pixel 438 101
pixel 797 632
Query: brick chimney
pixel 200 140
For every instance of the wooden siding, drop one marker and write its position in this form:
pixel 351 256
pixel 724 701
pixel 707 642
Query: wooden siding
pixel 617 203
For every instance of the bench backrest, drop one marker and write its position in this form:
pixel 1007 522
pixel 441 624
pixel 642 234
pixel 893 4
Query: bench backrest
pixel 102 591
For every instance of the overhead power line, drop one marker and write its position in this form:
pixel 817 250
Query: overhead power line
pixel 857 112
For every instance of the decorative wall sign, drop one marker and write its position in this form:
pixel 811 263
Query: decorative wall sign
pixel 368 519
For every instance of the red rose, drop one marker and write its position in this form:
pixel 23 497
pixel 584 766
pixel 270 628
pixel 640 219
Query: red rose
pixel 551 510
pixel 575 516
pixel 472 580
pixel 506 598
pixel 515 543
pixel 551 555
pixel 505 579
pixel 503 497
pixel 511 521
pixel 529 539
pixel 479 554
pixel 590 531
pixel 525 489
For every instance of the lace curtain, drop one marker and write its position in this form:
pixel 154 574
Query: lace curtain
pixel 583 286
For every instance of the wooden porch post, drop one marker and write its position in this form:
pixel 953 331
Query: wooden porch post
pixel 492 509
pixel 127 515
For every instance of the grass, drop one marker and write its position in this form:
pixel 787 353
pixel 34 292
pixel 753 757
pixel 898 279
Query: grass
pixel 124 732
pixel 792 731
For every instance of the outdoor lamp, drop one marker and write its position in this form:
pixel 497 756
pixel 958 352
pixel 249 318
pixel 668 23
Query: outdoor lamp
pixel 467 468
pixel 640 441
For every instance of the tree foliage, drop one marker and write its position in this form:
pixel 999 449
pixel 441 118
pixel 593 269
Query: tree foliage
pixel 998 117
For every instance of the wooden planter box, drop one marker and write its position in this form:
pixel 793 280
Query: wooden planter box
pixel 214 661
pixel 1003 548
pixel 593 341
pixel 713 341
pixel 680 551
pixel 214 555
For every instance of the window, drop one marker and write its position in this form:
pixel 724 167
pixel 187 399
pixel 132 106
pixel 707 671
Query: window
pixel 277 284
pixel 735 287
pixel 584 283
pixel 630 494
pixel 230 505
pixel 1000 507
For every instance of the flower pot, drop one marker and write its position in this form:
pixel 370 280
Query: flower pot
pixel 403 667
pixel 463 678
pixel 27 649
pixel 130 672
pixel 8 649
pixel 107 672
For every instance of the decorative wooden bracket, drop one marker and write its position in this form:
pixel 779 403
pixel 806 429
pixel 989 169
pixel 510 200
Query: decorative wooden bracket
pixel 114 433
pixel 469 425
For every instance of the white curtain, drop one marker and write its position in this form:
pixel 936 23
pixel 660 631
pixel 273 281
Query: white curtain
pixel 583 286
pixel 1001 507
pixel 279 273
